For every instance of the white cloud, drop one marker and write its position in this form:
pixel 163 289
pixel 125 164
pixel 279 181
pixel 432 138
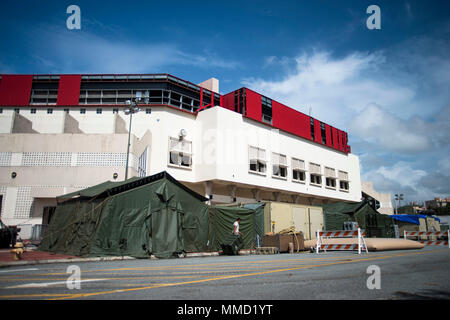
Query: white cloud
pixel 399 178
pixel 85 52
pixel 334 88
pixel 389 132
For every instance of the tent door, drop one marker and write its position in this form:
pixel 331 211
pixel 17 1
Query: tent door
pixel 166 237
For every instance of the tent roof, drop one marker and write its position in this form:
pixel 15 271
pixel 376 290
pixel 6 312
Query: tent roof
pixel 109 188
pixel 343 207
pixel 411 218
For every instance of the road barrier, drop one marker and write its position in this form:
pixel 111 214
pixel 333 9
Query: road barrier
pixel 429 234
pixel 361 245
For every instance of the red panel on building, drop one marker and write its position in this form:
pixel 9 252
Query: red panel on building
pixel 15 90
pixel 328 134
pixel 317 131
pixel 344 135
pixel 339 134
pixel 228 101
pixel 290 120
pixel 335 139
pixel 343 141
pixel 254 108
pixel 69 90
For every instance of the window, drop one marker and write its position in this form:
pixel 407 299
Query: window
pixel 331 183
pixel 343 185
pixel 240 101
pixel 33 111
pixel 257 160
pixel 315 174
pixel 43 96
pixel 99 111
pixel 312 129
pixel 298 170
pixel 266 106
pixel 142 164
pixel 49 111
pixel 323 133
pixel 82 111
pixel 279 165
pixel 330 178
pixel 343 181
pixel 316 179
pixel 180 153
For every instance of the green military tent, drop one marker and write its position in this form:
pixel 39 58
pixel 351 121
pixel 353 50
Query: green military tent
pixel 143 216
pixel 375 224
pixel 137 217
pixel 251 225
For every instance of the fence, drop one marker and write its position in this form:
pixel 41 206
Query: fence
pixel 428 234
pixel 361 245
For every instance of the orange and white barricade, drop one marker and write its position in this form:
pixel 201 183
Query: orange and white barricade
pixel 429 234
pixel 321 235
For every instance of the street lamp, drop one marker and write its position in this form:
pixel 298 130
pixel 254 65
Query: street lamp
pixel 132 107
pixel 398 197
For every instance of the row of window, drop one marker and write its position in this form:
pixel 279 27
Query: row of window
pixel 120 96
pixel 82 110
pixel 180 155
pixel 280 168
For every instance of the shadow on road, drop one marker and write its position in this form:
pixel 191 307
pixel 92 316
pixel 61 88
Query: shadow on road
pixel 423 295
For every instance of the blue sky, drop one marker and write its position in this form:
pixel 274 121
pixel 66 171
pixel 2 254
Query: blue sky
pixel 388 88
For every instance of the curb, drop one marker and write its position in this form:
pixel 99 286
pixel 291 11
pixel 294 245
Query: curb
pixel 94 259
pixel 67 260
pixel 217 253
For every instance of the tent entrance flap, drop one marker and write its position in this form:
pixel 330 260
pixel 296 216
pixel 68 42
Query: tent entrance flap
pixel 166 232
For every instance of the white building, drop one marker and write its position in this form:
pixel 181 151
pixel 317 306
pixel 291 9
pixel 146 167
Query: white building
pixel 70 132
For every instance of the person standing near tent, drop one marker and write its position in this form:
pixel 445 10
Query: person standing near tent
pixel 236 227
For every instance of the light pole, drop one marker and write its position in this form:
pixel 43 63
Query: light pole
pixel 132 107
pixel 398 197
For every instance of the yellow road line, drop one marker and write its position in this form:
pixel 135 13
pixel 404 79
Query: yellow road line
pixel 18 296
pixel 84 295
pixel 205 265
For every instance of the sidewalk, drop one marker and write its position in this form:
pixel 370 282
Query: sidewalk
pixel 33 256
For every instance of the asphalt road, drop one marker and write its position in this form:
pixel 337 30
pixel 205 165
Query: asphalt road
pixel 405 274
